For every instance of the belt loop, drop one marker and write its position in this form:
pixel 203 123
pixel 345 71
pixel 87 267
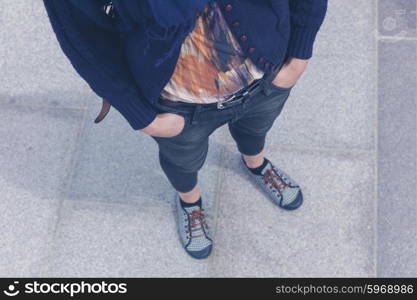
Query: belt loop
pixel 195 113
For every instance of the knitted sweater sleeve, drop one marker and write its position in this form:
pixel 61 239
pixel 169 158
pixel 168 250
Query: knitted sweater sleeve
pixel 306 18
pixel 95 53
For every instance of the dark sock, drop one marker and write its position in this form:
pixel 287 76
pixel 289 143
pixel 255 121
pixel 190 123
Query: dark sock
pixel 258 170
pixel 185 204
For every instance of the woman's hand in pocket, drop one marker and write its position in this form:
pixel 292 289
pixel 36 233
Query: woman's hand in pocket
pixel 165 125
pixel 290 72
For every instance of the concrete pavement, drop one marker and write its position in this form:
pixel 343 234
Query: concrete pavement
pixel 80 199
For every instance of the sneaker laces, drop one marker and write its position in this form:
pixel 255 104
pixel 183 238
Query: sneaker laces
pixel 196 222
pixel 275 180
pixel 284 177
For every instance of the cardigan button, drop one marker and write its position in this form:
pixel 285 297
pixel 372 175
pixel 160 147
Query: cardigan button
pixel 236 24
pixel 251 50
pixel 244 38
pixel 228 7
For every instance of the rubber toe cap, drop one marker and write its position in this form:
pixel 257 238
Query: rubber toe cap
pixel 201 254
pixel 296 203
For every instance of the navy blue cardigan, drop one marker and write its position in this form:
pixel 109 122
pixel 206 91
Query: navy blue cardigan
pixel 113 62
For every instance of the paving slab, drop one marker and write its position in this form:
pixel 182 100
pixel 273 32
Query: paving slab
pixel 36 149
pixel 331 235
pixel 97 240
pixel 330 107
pixel 348 30
pixel 397 204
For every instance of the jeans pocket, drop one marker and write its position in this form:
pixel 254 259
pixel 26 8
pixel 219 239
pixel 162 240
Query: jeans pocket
pixel 277 88
pixel 277 95
pixel 166 109
pixel 186 124
pixel 182 131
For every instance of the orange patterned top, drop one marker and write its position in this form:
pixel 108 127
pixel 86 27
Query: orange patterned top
pixel 211 65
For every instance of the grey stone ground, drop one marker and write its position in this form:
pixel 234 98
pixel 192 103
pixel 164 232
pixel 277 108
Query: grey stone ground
pixel 79 199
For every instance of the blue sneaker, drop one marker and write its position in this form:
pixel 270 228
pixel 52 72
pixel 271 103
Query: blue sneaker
pixel 280 187
pixel 193 230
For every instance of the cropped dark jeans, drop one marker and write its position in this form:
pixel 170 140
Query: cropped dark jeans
pixel 182 156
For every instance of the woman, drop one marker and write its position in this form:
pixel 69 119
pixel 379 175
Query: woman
pixel 178 70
